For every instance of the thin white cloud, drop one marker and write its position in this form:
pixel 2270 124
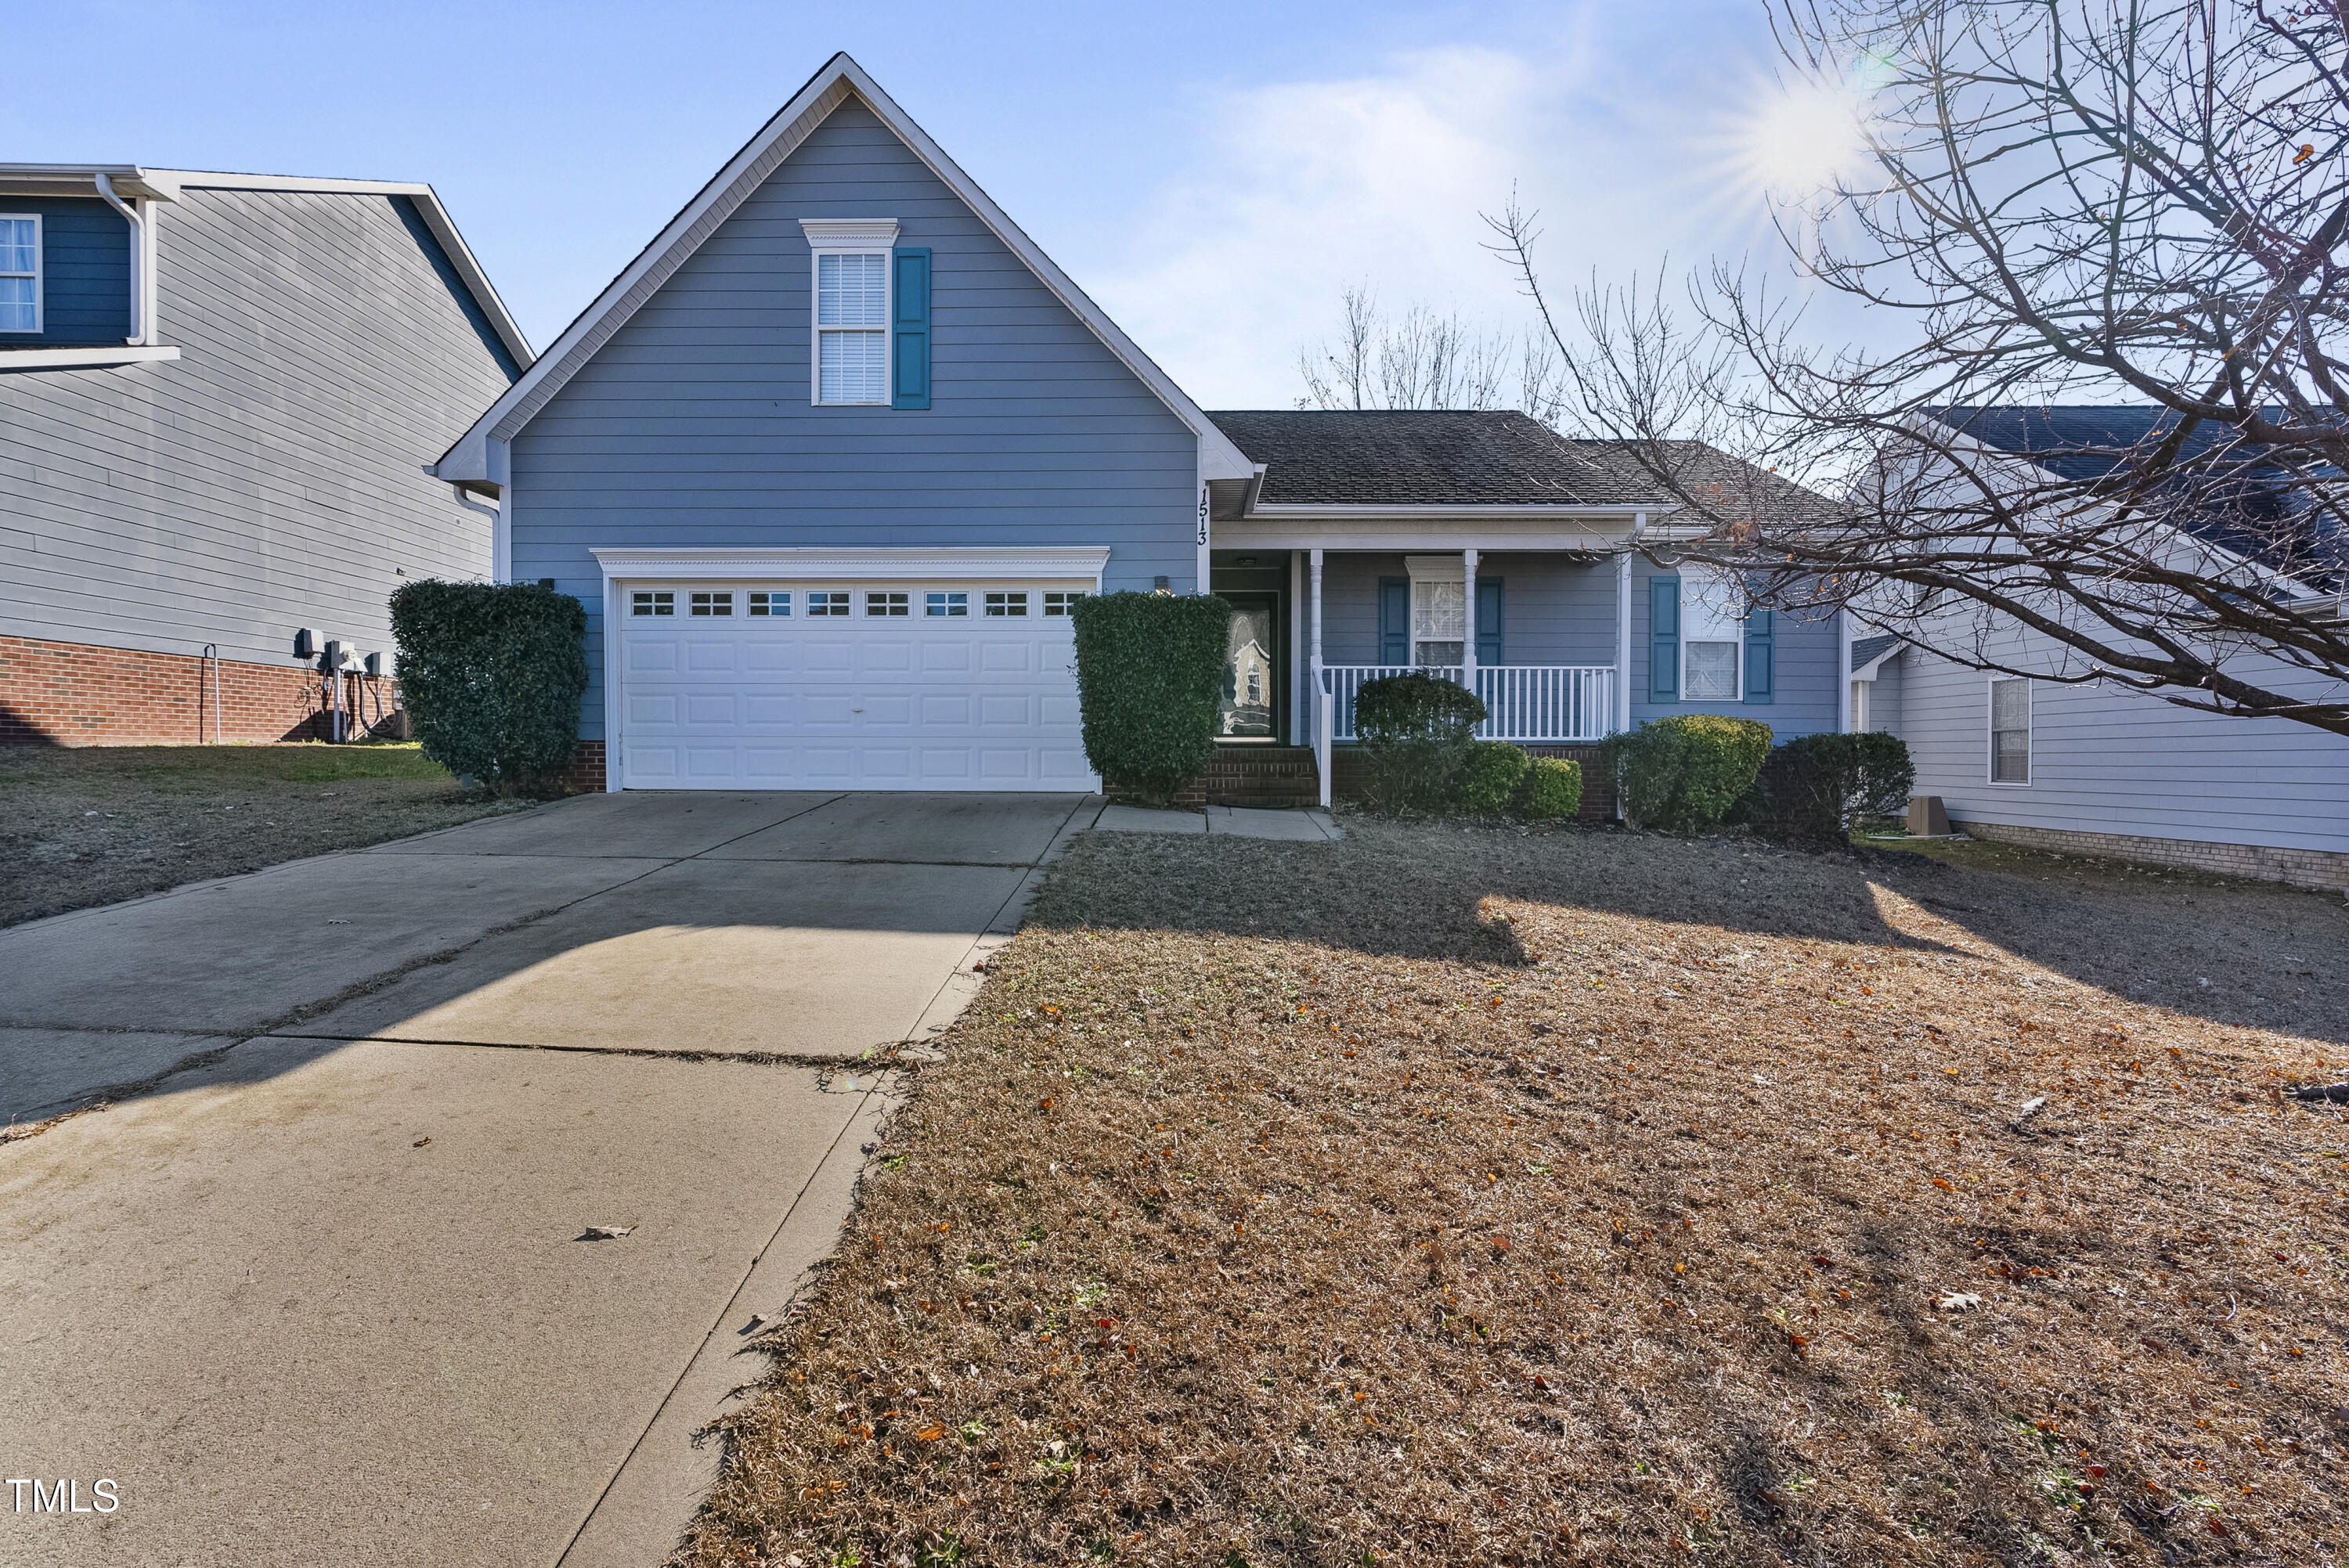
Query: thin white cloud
pixel 1302 188
pixel 1628 134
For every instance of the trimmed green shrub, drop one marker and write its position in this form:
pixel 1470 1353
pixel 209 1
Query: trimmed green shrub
pixel 1150 668
pixel 1818 788
pixel 1684 772
pixel 1415 731
pixel 1552 787
pixel 1490 775
pixel 492 672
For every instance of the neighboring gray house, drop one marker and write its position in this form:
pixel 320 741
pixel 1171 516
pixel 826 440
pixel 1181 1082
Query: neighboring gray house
pixel 830 460
pixel 2102 769
pixel 218 397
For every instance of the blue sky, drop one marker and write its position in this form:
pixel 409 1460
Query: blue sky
pixel 1214 174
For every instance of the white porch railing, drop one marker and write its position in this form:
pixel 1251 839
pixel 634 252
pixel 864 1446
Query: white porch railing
pixel 1537 703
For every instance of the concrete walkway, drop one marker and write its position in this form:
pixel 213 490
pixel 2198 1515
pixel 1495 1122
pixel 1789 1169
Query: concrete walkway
pixel 1312 826
pixel 313 1286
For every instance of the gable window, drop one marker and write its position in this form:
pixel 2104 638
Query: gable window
pixel 20 273
pixel 2010 732
pixel 770 605
pixel 824 604
pixel 1006 603
pixel 946 604
pixel 713 603
pixel 888 603
pixel 1057 603
pixel 851 277
pixel 642 602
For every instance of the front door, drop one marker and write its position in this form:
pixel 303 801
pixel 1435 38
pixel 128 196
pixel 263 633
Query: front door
pixel 1249 708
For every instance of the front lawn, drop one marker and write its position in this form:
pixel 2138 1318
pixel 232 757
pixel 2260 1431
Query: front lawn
pixel 1467 1195
pixel 90 825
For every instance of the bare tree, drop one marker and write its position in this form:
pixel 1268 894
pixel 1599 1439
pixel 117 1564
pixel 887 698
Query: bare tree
pixel 1426 360
pixel 2069 202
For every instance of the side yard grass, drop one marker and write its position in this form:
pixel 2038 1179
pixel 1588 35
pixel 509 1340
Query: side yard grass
pixel 1457 1195
pixel 91 825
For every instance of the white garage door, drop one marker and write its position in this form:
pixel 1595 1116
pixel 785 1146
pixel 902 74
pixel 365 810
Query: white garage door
pixel 930 687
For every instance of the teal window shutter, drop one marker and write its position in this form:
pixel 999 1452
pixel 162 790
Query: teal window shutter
pixel 910 332
pixel 1488 621
pixel 1394 620
pixel 1664 639
pixel 1760 657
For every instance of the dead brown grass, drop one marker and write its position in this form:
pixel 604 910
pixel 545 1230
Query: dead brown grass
pixel 90 825
pixel 1466 1196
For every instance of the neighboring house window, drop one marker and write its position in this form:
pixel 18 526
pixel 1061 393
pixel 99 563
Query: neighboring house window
pixel 888 603
pixel 1439 622
pixel 1061 604
pixel 2010 732
pixel 770 604
pixel 946 604
pixel 20 273
pixel 821 605
pixel 1006 603
pixel 713 603
pixel 648 603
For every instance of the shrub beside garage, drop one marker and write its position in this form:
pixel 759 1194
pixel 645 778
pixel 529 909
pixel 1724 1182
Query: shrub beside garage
pixel 492 672
pixel 1150 669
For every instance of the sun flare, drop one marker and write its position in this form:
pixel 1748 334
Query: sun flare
pixel 1800 140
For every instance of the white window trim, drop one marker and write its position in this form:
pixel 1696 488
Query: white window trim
pixel 38 275
pixel 852 237
pixel 1737 674
pixel 1989 734
pixel 1737 664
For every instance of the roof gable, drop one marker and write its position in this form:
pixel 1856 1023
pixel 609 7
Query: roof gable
pixel 479 455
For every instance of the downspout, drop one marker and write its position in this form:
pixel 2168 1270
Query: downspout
pixel 142 308
pixel 500 543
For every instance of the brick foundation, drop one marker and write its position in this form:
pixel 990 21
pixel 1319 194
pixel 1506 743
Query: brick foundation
pixel 585 774
pixel 82 693
pixel 2321 870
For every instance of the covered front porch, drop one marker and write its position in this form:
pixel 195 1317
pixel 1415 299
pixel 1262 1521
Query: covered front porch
pixel 1541 635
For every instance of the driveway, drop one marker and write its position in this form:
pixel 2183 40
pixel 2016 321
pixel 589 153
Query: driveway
pixel 312 1288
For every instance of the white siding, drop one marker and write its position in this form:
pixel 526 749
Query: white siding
pixel 2108 759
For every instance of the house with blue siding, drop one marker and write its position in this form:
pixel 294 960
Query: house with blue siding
pixel 830 460
pixel 2033 754
pixel 219 395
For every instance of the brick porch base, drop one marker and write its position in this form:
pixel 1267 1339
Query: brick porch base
pixel 1285 776
pixel 83 694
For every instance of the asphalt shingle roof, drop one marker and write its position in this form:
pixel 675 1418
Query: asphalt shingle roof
pixel 2273 519
pixel 1864 650
pixel 1429 458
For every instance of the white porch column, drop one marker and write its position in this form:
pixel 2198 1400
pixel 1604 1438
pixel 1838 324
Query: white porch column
pixel 1313 657
pixel 1622 715
pixel 1843 671
pixel 1468 619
